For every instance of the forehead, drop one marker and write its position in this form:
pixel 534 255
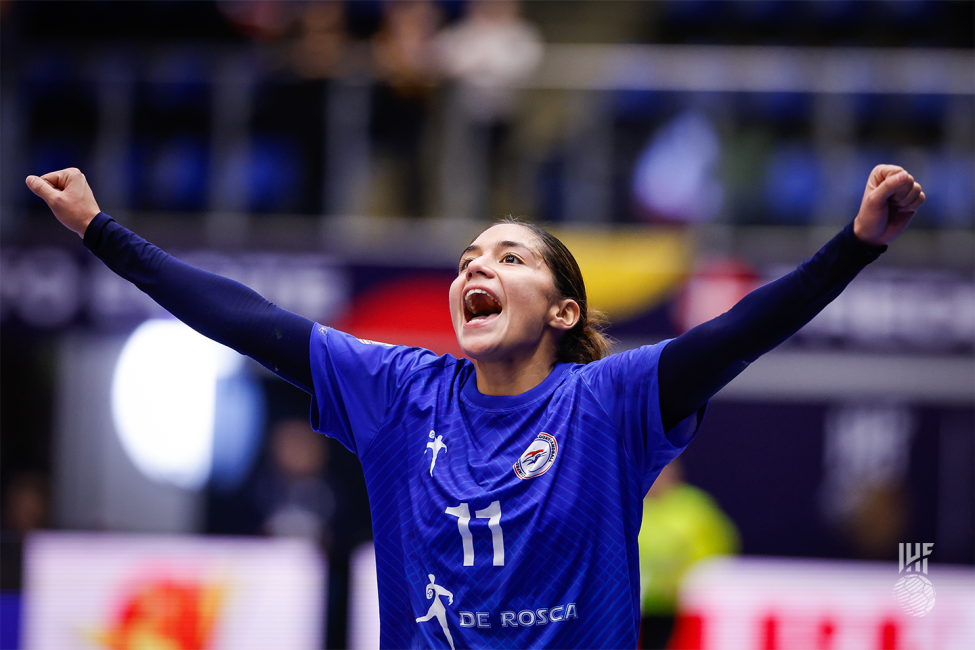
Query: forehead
pixel 510 232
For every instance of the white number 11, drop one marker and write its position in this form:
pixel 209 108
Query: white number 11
pixel 493 514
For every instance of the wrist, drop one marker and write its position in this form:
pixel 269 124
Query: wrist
pixel 93 231
pixel 864 235
pixel 85 222
pixel 861 244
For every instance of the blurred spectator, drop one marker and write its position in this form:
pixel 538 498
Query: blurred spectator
pixel 321 40
pixel 866 461
pixel 675 177
pixel 879 522
pixel 25 504
pixel 488 54
pixel 403 46
pixel 490 51
pixel 262 20
pixel 682 525
pixel 406 75
pixel 294 497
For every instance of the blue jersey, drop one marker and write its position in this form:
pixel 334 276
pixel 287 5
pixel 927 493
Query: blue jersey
pixel 500 522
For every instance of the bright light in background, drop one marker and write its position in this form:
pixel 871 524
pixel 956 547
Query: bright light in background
pixel 164 400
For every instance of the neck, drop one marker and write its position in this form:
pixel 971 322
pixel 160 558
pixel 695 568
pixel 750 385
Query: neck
pixel 513 376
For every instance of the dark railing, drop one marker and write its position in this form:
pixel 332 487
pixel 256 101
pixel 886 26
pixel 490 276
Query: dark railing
pixel 210 132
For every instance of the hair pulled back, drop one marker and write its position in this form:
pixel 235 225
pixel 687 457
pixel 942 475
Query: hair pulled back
pixel 585 342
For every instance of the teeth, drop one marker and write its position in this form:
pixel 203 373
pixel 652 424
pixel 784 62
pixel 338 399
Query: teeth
pixel 480 308
pixel 467 297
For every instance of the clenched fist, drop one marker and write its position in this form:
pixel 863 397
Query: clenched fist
pixel 890 200
pixel 67 193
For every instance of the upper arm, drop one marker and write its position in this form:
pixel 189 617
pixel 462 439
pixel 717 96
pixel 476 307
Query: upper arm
pixel 217 307
pixel 628 389
pixel 355 384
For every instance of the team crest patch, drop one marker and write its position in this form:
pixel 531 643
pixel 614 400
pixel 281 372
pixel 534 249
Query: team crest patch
pixel 538 457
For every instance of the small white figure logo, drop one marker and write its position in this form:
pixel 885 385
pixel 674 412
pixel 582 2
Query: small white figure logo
pixel 435 445
pixel 914 592
pixel 437 609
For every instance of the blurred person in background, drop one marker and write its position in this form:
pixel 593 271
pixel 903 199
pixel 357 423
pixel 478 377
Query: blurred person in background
pixel 25 503
pixel 682 525
pixel 403 98
pixel 403 47
pixel 263 20
pixel 558 554
pixel 321 40
pixel 487 54
pixel 879 521
pixel 5 7
pixel 294 496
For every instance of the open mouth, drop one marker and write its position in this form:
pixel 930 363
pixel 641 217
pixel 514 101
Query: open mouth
pixel 479 305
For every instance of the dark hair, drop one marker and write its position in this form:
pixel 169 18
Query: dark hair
pixel 585 342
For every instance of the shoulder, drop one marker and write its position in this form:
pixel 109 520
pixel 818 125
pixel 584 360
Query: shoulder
pixel 329 345
pixel 637 360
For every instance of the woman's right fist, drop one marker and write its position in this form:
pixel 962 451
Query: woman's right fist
pixel 67 193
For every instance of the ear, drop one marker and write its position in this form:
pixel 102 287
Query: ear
pixel 565 315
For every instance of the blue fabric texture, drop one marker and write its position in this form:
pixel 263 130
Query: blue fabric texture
pixel 564 468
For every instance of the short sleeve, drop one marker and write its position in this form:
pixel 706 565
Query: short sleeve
pixel 355 383
pixel 628 389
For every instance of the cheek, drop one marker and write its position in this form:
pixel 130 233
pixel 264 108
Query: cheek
pixel 534 301
pixel 453 299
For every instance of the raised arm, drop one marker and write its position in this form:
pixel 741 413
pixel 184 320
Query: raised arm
pixel 700 362
pixel 219 308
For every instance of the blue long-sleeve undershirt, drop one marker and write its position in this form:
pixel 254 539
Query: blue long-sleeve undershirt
pixel 217 307
pixel 700 362
pixel 693 367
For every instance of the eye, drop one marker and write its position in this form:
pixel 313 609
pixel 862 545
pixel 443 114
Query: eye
pixel 465 262
pixel 511 258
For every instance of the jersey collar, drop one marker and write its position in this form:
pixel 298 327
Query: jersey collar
pixel 472 396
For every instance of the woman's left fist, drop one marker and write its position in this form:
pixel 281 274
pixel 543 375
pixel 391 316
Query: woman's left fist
pixel 891 198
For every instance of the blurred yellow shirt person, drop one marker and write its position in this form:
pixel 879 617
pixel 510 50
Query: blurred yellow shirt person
pixel 682 524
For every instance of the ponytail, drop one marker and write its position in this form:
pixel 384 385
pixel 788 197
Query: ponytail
pixel 585 342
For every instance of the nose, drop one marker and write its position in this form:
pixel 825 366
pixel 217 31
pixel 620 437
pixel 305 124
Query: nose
pixel 478 266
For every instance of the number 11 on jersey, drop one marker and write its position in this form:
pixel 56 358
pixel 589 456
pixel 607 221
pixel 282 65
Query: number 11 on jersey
pixel 493 514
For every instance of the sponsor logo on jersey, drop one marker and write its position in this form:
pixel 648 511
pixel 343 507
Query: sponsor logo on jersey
pixel 538 457
pixel 524 618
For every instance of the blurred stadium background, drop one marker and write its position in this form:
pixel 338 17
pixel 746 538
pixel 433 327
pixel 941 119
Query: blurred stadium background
pixel 337 156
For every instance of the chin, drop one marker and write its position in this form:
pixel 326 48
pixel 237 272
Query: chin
pixel 484 346
pixel 478 343
pixel 479 350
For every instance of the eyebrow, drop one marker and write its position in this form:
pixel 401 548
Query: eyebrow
pixel 504 243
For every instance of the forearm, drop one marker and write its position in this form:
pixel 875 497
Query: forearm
pixel 221 309
pixel 697 364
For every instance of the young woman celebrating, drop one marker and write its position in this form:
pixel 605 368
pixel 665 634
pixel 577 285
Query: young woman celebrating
pixel 506 488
